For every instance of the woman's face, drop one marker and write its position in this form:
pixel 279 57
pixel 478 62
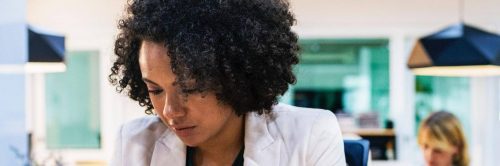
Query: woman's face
pixel 196 119
pixel 435 156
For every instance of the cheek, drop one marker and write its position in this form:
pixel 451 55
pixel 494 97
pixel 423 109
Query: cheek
pixel 447 156
pixel 427 154
pixel 157 108
pixel 439 158
pixel 158 103
pixel 209 114
pixel 221 118
pixel 207 111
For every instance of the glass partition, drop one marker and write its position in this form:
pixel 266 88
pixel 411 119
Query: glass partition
pixel 344 76
pixel 450 94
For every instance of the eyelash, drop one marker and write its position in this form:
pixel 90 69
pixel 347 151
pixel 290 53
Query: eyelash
pixel 155 92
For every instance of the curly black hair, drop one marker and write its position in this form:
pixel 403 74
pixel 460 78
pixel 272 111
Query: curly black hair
pixel 242 50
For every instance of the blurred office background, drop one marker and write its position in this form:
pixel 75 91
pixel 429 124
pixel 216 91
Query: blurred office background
pixel 353 62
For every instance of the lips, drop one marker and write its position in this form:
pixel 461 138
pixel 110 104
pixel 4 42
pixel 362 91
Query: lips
pixel 182 128
pixel 183 131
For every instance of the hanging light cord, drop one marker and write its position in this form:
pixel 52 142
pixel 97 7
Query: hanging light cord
pixel 461 11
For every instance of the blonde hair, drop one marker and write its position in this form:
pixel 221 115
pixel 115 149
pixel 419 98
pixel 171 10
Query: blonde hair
pixel 443 130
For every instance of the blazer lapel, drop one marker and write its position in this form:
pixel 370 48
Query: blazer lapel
pixel 169 150
pixel 261 148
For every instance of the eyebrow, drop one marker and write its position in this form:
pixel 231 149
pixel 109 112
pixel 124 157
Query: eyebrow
pixel 149 81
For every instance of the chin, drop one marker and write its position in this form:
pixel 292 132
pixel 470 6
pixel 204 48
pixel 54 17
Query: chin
pixel 435 164
pixel 191 145
pixel 190 142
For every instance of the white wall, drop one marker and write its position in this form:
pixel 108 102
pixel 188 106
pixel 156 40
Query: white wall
pixel 91 25
pixel 13 51
pixel 368 17
pixel 88 24
pixel 485 122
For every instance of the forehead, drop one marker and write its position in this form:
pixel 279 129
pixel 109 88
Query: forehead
pixel 431 140
pixel 152 52
pixel 153 59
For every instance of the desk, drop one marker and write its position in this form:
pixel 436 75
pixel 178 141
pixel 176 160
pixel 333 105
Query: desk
pixel 382 142
pixel 375 132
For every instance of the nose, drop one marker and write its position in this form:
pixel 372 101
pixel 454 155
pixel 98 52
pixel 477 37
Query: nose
pixel 429 154
pixel 173 109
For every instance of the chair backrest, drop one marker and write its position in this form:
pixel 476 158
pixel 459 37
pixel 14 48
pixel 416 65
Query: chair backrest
pixel 356 152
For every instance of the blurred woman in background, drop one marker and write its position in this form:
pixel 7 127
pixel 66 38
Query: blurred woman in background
pixel 442 140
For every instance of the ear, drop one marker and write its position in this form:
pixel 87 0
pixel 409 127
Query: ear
pixel 456 157
pixel 454 151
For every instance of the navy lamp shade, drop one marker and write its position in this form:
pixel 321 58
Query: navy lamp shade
pixel 458 50
pixel 45 54
pixel 45 47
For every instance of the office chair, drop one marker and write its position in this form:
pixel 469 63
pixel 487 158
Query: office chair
pixel 356 152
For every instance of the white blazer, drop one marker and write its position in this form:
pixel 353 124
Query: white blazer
pixel 289 136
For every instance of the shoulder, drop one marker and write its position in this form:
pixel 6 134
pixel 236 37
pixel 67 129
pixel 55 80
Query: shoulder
pixel 143 130
pixel 136 140
pixel 300 123
pixel 315 132
pixel 307 117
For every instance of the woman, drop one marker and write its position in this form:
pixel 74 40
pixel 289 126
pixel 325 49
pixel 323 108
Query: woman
pixel 442 140
pixel 211 72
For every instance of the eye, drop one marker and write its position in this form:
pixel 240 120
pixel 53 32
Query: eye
pixel 154 91
pixel 437 150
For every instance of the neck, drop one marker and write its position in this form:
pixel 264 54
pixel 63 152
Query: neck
pixel 226 146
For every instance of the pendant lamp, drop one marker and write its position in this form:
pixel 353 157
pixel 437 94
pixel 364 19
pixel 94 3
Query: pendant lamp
pixel 458 50
pixel 45 54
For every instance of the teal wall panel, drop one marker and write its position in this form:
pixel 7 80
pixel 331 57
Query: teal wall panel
pixel 72 103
